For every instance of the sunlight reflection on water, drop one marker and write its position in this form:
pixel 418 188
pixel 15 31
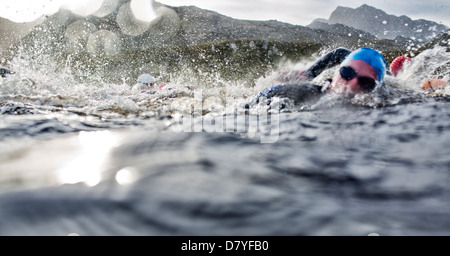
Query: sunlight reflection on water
pixel 86 166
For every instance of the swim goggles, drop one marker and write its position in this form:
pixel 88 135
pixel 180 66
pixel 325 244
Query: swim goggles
pixel 367 84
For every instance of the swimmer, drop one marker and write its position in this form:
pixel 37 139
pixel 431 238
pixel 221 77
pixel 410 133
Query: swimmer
pixel 4 72
pixel 146 83
pixel 360 72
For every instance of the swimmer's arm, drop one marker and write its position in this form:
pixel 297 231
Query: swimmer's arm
pixel 329 60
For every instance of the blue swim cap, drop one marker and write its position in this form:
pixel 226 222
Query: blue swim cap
pixel 371 57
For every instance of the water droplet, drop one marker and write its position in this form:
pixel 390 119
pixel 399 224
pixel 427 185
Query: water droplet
pixel 103 42
pixel 126 176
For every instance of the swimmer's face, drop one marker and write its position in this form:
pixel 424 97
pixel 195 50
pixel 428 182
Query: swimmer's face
pixel 149 86
pixel 356 77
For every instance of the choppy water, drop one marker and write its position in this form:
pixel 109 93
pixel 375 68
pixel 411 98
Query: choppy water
pixel 98 158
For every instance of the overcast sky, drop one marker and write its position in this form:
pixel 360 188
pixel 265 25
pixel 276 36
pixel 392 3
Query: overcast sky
pixel 299 12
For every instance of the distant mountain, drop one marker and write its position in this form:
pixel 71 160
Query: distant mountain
pixel 322 24
pixel 181 26
pixel 385 26
pixel 201 26
pixel 189 25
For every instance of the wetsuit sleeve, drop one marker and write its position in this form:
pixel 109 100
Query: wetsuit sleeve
pixel 329 60
pixel 299 93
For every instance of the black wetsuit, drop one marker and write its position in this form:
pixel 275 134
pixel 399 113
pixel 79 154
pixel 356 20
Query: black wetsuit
pixel 305 91
pixel 4 72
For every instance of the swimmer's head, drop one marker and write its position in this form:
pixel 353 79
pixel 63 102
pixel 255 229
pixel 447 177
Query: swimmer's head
pixel 145 82
pixel 146 79
pixel 398 64
pixel 360 72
